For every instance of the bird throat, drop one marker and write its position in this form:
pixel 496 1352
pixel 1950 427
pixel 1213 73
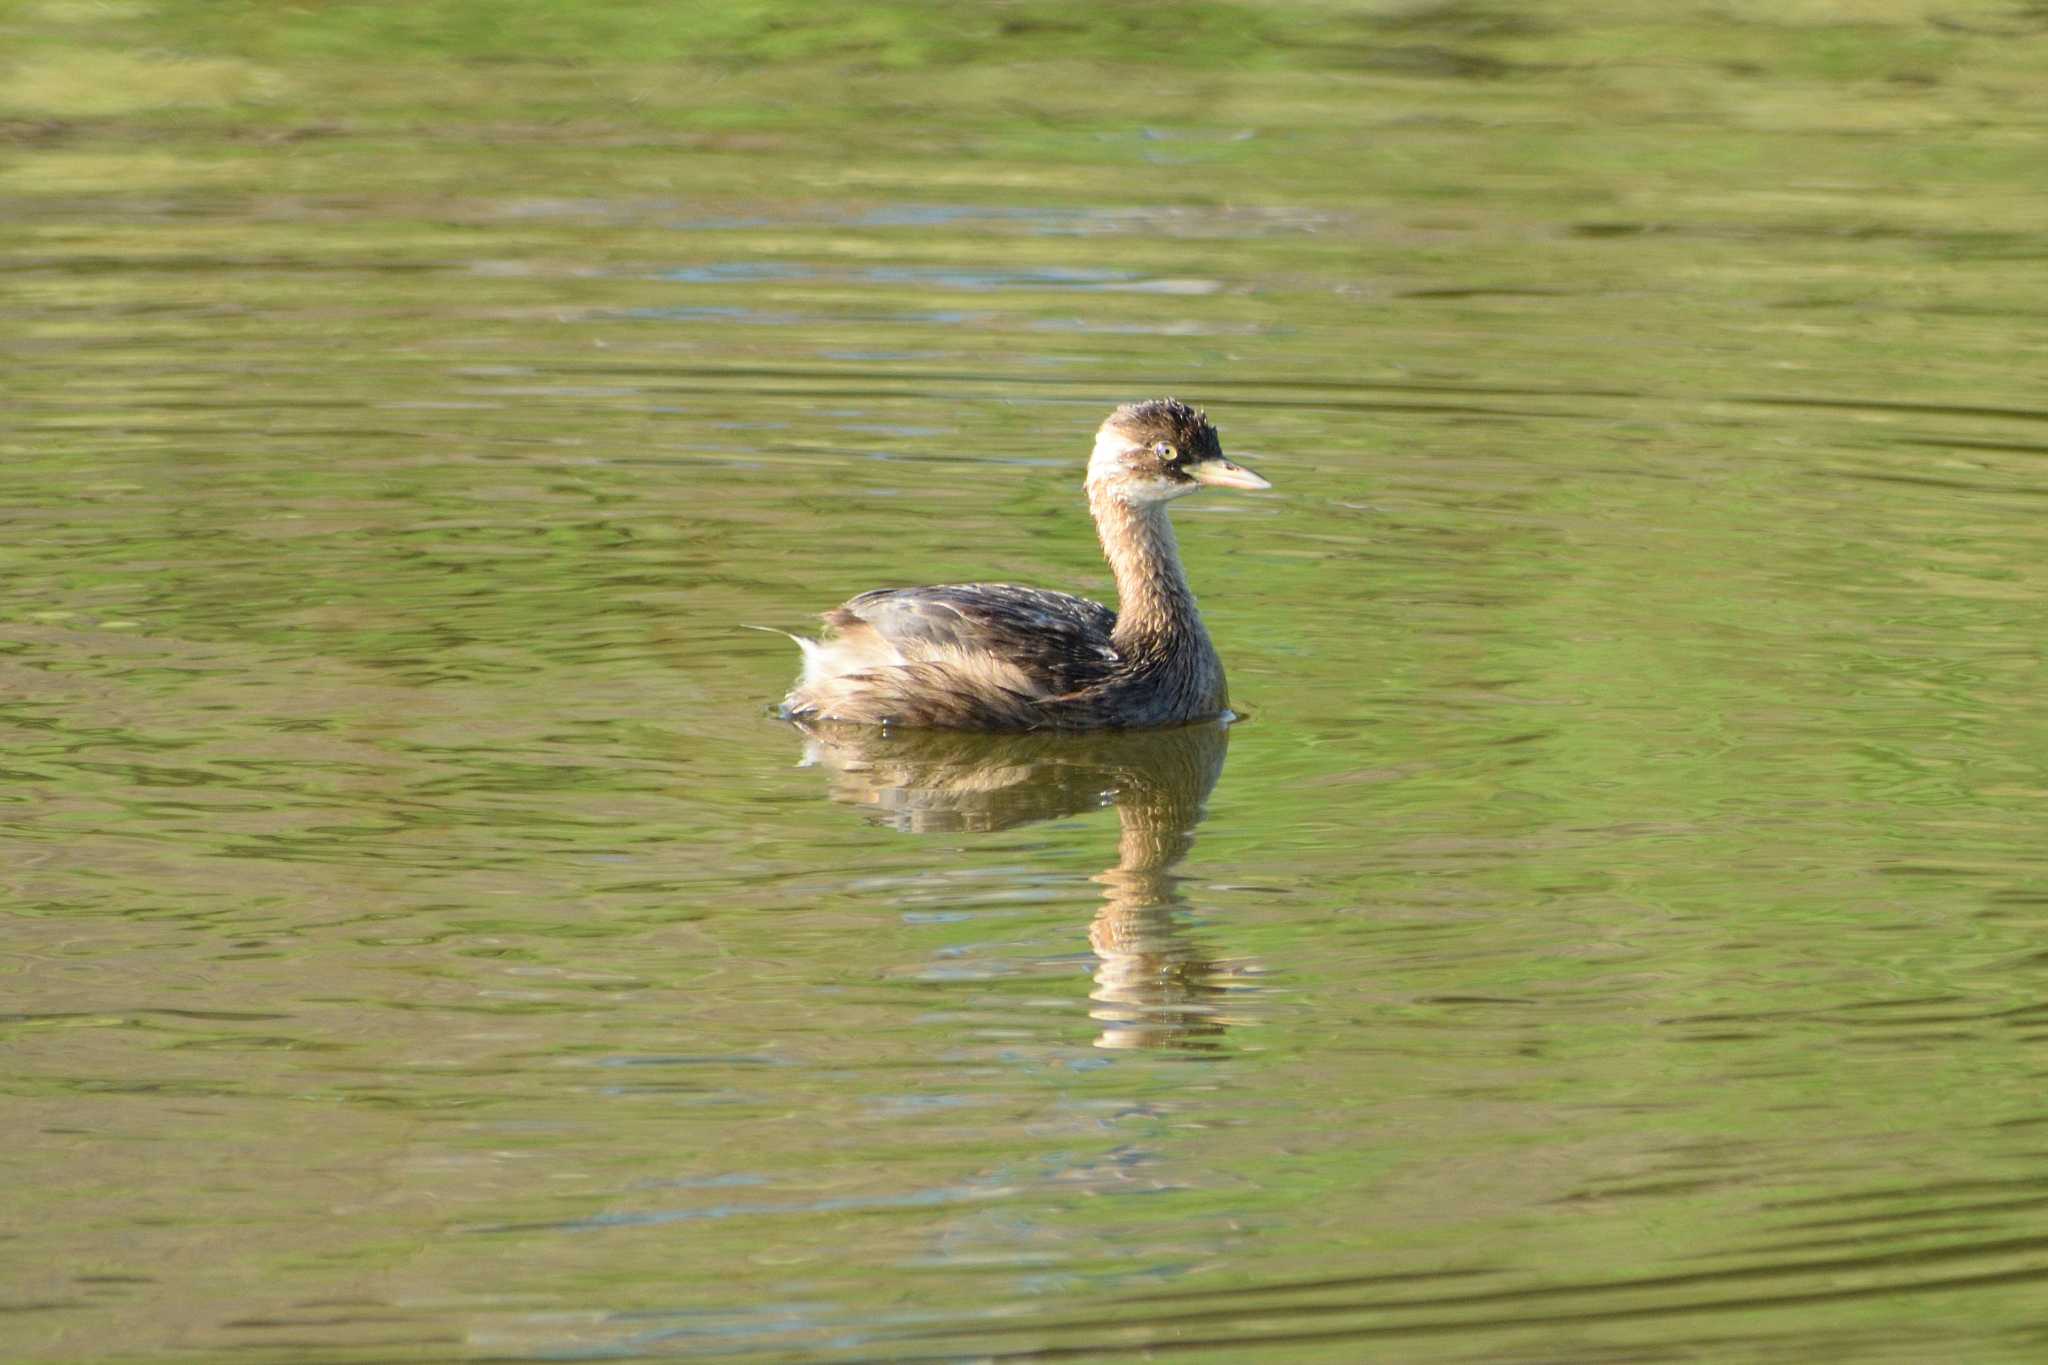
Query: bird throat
pixel 1156 612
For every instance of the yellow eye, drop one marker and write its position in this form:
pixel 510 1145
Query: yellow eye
pixel 1165 451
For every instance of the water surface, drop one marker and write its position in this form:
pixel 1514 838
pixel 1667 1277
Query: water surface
pixel 1613 931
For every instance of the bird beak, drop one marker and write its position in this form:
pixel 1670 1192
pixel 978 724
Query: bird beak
pixel 1221 473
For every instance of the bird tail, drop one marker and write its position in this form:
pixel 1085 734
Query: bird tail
pixel 809 647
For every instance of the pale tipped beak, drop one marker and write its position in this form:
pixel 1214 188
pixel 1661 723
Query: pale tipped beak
pixel 1224 474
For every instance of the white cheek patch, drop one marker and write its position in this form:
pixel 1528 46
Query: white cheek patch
pixel 1106 461
pixel 1137 490
pixel 1106 468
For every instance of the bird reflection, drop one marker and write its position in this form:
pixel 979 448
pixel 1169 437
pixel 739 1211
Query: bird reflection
pixel 1155 985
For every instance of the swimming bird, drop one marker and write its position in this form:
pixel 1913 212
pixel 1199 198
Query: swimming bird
pixel 995 656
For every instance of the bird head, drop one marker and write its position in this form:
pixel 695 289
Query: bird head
pixel 1155 451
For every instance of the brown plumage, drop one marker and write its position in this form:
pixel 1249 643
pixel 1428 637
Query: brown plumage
pixel 994 656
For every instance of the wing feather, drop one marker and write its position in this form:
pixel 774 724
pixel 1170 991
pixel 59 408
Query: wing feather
pixel 1055 641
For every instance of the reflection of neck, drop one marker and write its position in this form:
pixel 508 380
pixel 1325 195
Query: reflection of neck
pixel 1152 987
pixel 1155 608
pixel 1138 896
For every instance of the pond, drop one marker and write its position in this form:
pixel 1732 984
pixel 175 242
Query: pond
pixel 1612 928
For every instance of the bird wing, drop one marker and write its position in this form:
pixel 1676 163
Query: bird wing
pixel 1058 641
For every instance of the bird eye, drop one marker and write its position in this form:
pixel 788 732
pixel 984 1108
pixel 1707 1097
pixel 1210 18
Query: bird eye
pixel 1164 450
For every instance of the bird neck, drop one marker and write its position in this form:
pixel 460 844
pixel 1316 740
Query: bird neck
pixel 1155 608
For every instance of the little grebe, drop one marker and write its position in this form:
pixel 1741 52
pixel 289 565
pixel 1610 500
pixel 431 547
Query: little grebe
pixel 993 656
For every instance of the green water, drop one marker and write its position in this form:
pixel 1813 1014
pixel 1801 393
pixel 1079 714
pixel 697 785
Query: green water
pixel 1615 931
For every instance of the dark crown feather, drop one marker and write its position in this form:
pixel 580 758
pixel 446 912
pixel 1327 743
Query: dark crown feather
pixel 1185 428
